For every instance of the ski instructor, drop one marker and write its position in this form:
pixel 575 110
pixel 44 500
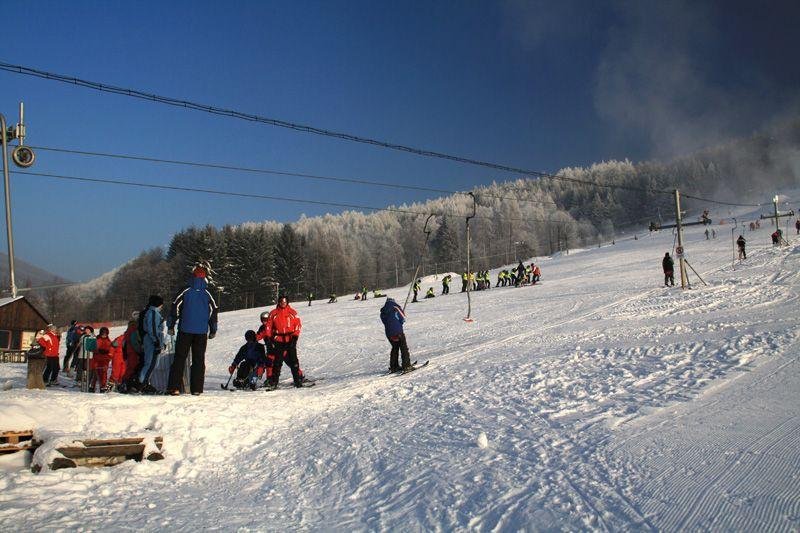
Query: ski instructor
pixel 195 311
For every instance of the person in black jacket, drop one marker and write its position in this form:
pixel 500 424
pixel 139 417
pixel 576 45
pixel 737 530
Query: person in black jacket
pixel 668 266
pixel 740 242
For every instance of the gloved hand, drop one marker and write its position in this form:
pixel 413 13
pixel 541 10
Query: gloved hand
pixel 212 335
pixel 231 369
pixel 260 371
pixel 171 332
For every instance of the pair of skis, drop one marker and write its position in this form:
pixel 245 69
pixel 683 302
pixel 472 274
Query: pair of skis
pixel 414 366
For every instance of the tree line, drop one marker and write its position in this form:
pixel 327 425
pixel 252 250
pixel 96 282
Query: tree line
pixel 517 219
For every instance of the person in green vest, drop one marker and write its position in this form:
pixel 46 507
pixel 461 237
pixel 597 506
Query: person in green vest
pixel 430 293
pixel 446 284
pixel 310 297
pixel 415 288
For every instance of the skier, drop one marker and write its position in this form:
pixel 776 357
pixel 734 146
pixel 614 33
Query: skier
pixel 251 359
pixel 87 344
pixel 332 299
pixel 378 294
pixel 429 293
pixel 520 274
pixel 464 278
pixel 49 340
pixel 72 340
pixel 393 318
pixel 363 293
pixel 668 266
pixel 415 288
pixel 310 297
pixel 281 329
pixel 101 361
pixel 119 367
pixel 152 343
pixel 536 273
pixel 797 226
pixel 740 242
pixel 446 284
pixel 195 311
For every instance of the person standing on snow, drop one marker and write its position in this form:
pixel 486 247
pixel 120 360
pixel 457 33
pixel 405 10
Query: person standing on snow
pixel 281 328
pixel 152 342
pixel 446 284
pixel 49 341
pixel 740 242
pixel 668 266
pixel 393 318
pixel 415 288
pixel 195 312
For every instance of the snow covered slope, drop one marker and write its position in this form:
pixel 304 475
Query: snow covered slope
pixel 596 400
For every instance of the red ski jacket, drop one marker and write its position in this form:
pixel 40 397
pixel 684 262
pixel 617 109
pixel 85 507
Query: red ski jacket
pixel 49 341
pixel 281 326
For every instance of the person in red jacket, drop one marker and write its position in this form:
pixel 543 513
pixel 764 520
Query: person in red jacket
pixel 101 360
pixel 281 329
pixel 49 341
pixel 118 366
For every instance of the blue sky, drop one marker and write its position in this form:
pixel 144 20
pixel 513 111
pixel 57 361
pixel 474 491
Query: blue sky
pixel 536 85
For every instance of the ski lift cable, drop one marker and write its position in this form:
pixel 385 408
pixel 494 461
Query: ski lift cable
pixel 219 166
pixel 134 93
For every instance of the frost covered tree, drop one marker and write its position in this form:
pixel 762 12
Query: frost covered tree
pixel 289 264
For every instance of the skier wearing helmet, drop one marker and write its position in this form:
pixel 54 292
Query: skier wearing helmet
pixel 281 329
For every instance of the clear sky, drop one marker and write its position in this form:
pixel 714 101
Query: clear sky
pixel 538 85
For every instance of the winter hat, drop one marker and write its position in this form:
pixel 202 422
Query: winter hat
pixel 155 300
pixel 87 329
pixel 250 335
pixel 199 271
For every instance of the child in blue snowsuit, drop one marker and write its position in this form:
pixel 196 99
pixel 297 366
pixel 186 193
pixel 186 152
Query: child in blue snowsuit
pixel 251 360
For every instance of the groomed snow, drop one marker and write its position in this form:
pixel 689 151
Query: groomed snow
pixel 598 400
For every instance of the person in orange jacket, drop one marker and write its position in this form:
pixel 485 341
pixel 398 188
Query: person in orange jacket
pixel 280 328
pixel 119 355
pixel 49 341
pixel 101 361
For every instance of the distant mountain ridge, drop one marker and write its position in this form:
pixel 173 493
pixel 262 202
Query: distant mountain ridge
pixel 27 274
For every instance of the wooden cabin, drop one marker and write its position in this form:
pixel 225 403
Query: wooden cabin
pixel 19 322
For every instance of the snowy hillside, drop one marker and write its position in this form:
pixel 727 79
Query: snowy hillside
pixel 596 400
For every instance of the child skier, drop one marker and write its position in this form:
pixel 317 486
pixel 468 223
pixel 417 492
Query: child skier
pixel 101 361
pixel 251 361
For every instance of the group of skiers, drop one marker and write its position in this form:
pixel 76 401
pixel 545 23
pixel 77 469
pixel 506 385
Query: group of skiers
pixel 132 356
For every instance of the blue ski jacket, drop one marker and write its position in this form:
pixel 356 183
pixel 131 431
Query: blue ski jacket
pixel 253 352
pixel 153 324
pixel 194 309
pixel 393 318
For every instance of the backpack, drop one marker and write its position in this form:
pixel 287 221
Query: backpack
pixel 140 324
pixel 90 344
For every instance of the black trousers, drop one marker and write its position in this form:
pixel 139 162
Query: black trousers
pixel 68 356
pixel 669 278
pixel 463 286
pixel 399 346
pixel 197 343
pixel 279 353
pixel 51 369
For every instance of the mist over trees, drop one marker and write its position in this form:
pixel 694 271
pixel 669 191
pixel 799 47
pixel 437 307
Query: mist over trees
pixel 521 218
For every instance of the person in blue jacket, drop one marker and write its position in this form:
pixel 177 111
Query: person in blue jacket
pixel 152 343
pixel 393 318
pixel 195 312
pixel 251 361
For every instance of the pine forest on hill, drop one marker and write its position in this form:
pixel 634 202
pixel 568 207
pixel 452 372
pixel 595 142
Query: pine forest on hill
pixel 521 218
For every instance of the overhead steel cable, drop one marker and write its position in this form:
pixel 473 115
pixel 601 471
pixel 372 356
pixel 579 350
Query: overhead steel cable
pixel 220 166
pixel 684 195
pixel 134 93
